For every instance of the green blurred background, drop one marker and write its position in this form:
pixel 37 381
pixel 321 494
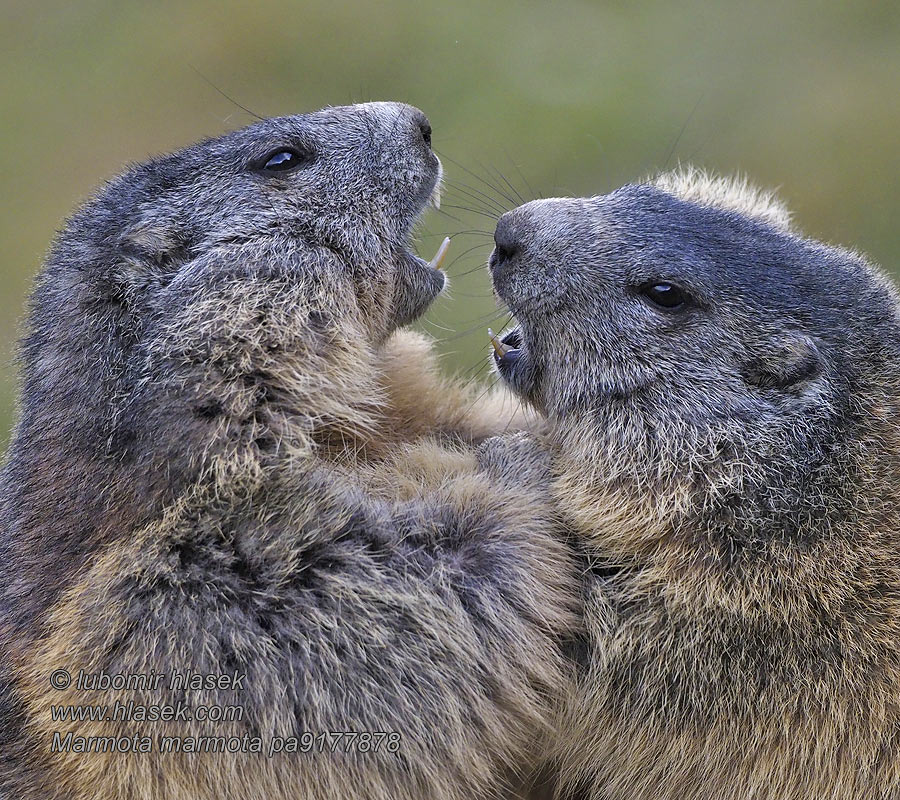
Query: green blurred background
pixel 533 98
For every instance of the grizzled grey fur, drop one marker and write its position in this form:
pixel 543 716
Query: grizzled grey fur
pixel 732 465
pixel 200 376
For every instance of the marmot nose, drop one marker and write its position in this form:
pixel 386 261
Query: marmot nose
pixel 506 244
pixel 424 126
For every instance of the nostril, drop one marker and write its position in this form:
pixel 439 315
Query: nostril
pixel 425 129
pixel 502 254
pixel 506 243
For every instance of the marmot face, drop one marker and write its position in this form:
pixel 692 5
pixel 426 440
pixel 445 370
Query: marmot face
pixel 683 307
pixel 215 310
pixel 695 352
pixel 241 284
pixel 347 181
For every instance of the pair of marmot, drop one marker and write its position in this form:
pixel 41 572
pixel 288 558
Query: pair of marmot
pixel 228 461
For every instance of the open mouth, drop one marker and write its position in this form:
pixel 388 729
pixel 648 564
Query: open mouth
pixel 438 259
pixel 515 364
pixel 433 201
pixel 418 282
pixel 508 348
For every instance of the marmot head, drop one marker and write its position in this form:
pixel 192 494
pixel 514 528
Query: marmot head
pixel 203 296
pixel 348 181
pixel 705 340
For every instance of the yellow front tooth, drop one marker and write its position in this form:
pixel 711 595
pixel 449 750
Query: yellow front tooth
pixel 440 255
pixel 499 348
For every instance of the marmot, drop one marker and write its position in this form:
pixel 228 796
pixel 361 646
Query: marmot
pixel 724 402
pixel 191 495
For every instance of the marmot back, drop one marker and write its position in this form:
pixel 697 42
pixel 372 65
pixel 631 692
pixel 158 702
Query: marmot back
pixel 212 370
pixel 724 399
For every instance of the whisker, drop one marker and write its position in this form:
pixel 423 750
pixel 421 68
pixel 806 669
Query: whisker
pixel 479 324
pixel 477 296
pixel 513 415
pixel 681 132
pixel 229 99
pixel 472 202
pixel 491 315
pixel 473 232
pixel 471 211
pixel 521 175
pixel 482 265
pixel 511 187
pixel 477 177
pixel 498 189
pixel 455 219
pixel 492 201
pixel 485 365
pixel 474 403
pixel 463 254
pixel 437 325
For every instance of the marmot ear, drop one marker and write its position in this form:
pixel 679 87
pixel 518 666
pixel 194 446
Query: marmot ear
pixel 788 362
pixel 155 239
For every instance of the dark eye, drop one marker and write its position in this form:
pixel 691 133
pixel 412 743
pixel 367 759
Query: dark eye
pixel 665 295
pixel 283 161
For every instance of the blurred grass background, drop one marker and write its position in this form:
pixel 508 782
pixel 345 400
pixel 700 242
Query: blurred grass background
pixel 569 97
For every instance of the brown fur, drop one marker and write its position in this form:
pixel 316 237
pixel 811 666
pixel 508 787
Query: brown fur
pixel 386 454
pixel 782 684
pixel 422 402
pixel 731 463
pixel 253 473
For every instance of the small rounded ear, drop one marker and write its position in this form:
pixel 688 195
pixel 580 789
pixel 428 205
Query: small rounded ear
pixel 790 361
pixel 155 239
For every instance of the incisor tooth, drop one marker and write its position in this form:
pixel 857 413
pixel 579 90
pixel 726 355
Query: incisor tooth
pixel 500 348
pixel 439 256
